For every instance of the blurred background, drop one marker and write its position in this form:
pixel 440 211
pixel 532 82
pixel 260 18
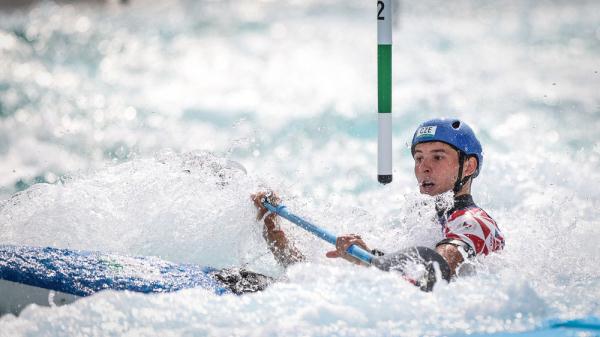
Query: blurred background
pixel 15 4
pixel 289 87
pixel 110 110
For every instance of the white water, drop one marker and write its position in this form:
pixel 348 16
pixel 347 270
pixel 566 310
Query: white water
pixel 115 106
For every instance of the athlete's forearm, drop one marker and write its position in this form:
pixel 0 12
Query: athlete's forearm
pixel 452 255
pixel 283 250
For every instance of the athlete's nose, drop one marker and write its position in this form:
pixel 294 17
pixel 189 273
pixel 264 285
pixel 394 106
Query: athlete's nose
pixel 424 166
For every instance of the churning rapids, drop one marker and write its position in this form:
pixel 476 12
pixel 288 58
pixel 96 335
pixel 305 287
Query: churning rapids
pixel 117 123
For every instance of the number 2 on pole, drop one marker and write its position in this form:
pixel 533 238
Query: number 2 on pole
pixel 380 7
pixel 384 91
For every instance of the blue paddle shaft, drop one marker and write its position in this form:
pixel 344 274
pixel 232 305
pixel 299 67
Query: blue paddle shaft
pixel 353 250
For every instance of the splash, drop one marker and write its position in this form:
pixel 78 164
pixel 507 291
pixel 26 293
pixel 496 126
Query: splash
pixel 90 98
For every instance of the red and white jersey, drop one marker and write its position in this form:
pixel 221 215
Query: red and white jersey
pixel 470 224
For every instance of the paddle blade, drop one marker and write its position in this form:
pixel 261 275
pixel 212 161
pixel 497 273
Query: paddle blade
pixel 404 261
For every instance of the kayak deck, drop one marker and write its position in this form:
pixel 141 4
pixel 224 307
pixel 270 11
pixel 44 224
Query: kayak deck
pixel 33 274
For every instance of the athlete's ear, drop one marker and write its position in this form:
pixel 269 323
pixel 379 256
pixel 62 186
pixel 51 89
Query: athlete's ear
pixel 470 166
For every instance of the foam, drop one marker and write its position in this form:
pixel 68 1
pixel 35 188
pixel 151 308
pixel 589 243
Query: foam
pixel 92 98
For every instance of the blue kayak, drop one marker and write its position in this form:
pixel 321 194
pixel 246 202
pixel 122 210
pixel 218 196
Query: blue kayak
pixel 54 276
pixel 49 276
pixel 83 273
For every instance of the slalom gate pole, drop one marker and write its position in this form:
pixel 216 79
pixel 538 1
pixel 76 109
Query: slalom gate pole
pixel 384 91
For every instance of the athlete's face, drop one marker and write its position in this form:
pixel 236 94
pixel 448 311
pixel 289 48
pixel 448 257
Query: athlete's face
pixel 436 167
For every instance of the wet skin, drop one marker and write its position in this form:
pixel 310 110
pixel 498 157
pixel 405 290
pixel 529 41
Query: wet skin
pixel 436 170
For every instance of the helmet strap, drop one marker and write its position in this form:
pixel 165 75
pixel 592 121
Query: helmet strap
pixel 460 182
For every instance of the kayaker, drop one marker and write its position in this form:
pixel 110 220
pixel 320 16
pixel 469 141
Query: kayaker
pixel 447 157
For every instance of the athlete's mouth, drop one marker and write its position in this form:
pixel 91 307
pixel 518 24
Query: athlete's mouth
pixel 427 184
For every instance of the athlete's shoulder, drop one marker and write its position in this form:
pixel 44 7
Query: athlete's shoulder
pixel 469 210
pixel 476 227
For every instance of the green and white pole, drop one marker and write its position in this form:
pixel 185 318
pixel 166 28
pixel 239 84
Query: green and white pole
pixel 384 91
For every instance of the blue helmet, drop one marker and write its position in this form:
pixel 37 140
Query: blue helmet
pixel 453 132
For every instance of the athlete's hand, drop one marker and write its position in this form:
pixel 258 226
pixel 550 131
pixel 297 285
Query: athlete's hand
pixel 271 219
pixel 343 243
pixel 283 249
